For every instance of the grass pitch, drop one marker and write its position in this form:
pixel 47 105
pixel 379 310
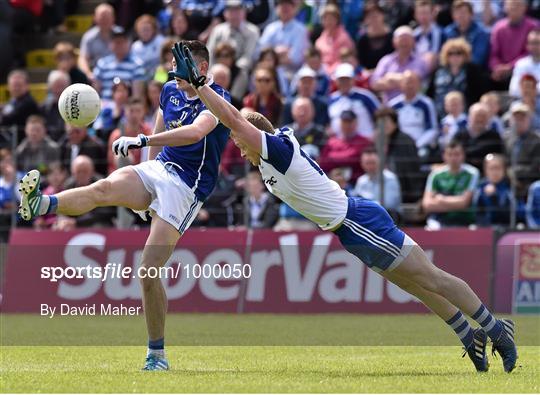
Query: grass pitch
pixel 371 366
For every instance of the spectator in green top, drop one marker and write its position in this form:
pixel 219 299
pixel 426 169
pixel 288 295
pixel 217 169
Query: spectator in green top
pixel 449 190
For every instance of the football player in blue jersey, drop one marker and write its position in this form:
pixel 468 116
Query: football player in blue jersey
pixel 363 227
pixel 185 150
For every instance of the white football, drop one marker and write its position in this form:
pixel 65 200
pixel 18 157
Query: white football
pixel 79 105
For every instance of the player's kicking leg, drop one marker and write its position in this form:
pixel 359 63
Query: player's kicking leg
pixel 121 188
pixel 417 268
pixel 474 340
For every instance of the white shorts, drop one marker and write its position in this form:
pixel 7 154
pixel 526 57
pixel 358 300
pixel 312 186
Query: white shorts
pixel 172 200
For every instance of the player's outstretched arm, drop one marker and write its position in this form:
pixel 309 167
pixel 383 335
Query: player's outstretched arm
pixel 244 132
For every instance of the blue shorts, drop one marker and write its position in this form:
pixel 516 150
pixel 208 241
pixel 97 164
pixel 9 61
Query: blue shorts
pixel 369 233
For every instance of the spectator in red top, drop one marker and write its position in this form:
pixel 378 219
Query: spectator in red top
pixel 509 41
pixel 133 126
pixel 266 98
pixel 345 150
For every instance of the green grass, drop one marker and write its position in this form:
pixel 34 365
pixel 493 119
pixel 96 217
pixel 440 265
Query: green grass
pixel 400 367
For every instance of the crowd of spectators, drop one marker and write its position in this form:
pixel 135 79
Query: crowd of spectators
pixel 438 97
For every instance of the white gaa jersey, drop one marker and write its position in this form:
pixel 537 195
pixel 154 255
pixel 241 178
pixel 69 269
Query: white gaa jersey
pixel 291 175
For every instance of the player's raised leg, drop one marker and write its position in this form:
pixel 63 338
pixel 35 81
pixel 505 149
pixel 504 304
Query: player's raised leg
pixel 417 268
pixel 121 188
pixel 159 247
pixel 474 340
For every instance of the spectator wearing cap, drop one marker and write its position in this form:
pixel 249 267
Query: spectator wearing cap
pixel 95 43
pixel 361 76
pixel 120 64
pixel 57 81
pixel 427 34
pixel 479 138
pixel 148 46
pixel 528 65
pixel 509 41
pixel 523 148
pixel 287 36
pixel 347 97
pixel 368 185
pixel 473 32
pixel 375 41
pixel 416 113
pixel 389 71
pixel 401 156
pixel 344 150
pixel 306 130
pixel 333 38
pixel 20 106
pixel 65 56
pixel 235 31
pixel 37 150
pixel 305 84
pixel 456 73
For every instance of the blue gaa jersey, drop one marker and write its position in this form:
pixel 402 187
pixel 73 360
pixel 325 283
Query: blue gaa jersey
pixel 295 178
pixel 197 164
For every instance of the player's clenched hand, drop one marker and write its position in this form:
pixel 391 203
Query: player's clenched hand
pixel 122 145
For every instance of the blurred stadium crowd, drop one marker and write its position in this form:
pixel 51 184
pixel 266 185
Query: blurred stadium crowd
pixel 430 106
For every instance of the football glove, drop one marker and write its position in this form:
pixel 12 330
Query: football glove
pixel 180 71
pixel 122 145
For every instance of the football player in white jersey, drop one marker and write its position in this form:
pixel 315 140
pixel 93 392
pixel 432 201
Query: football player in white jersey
pixel 363 227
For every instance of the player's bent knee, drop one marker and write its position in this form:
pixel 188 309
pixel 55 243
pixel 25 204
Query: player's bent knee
pixel 101 191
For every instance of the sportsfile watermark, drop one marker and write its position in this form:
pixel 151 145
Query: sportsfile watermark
pixel 119 271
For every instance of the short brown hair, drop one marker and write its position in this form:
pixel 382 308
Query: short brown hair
pixel 462 3
pixel 35 119
pixel 146 18
pixel 65 48
pixel 197 48
pixel 259 121
pixel 387 112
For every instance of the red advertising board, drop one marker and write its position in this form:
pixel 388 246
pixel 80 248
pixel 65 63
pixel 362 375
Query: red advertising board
pixel 517 277
pixel 289 272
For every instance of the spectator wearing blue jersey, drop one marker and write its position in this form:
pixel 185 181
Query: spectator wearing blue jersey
pixel 416 113
pixel 314 62
pixel 533 206
pixel 202 15
pixel 287 36
pixel 493 198
pixel 455 118
pixel 120 64
pixel 465 26
pixel 361 101
pixel 427 34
